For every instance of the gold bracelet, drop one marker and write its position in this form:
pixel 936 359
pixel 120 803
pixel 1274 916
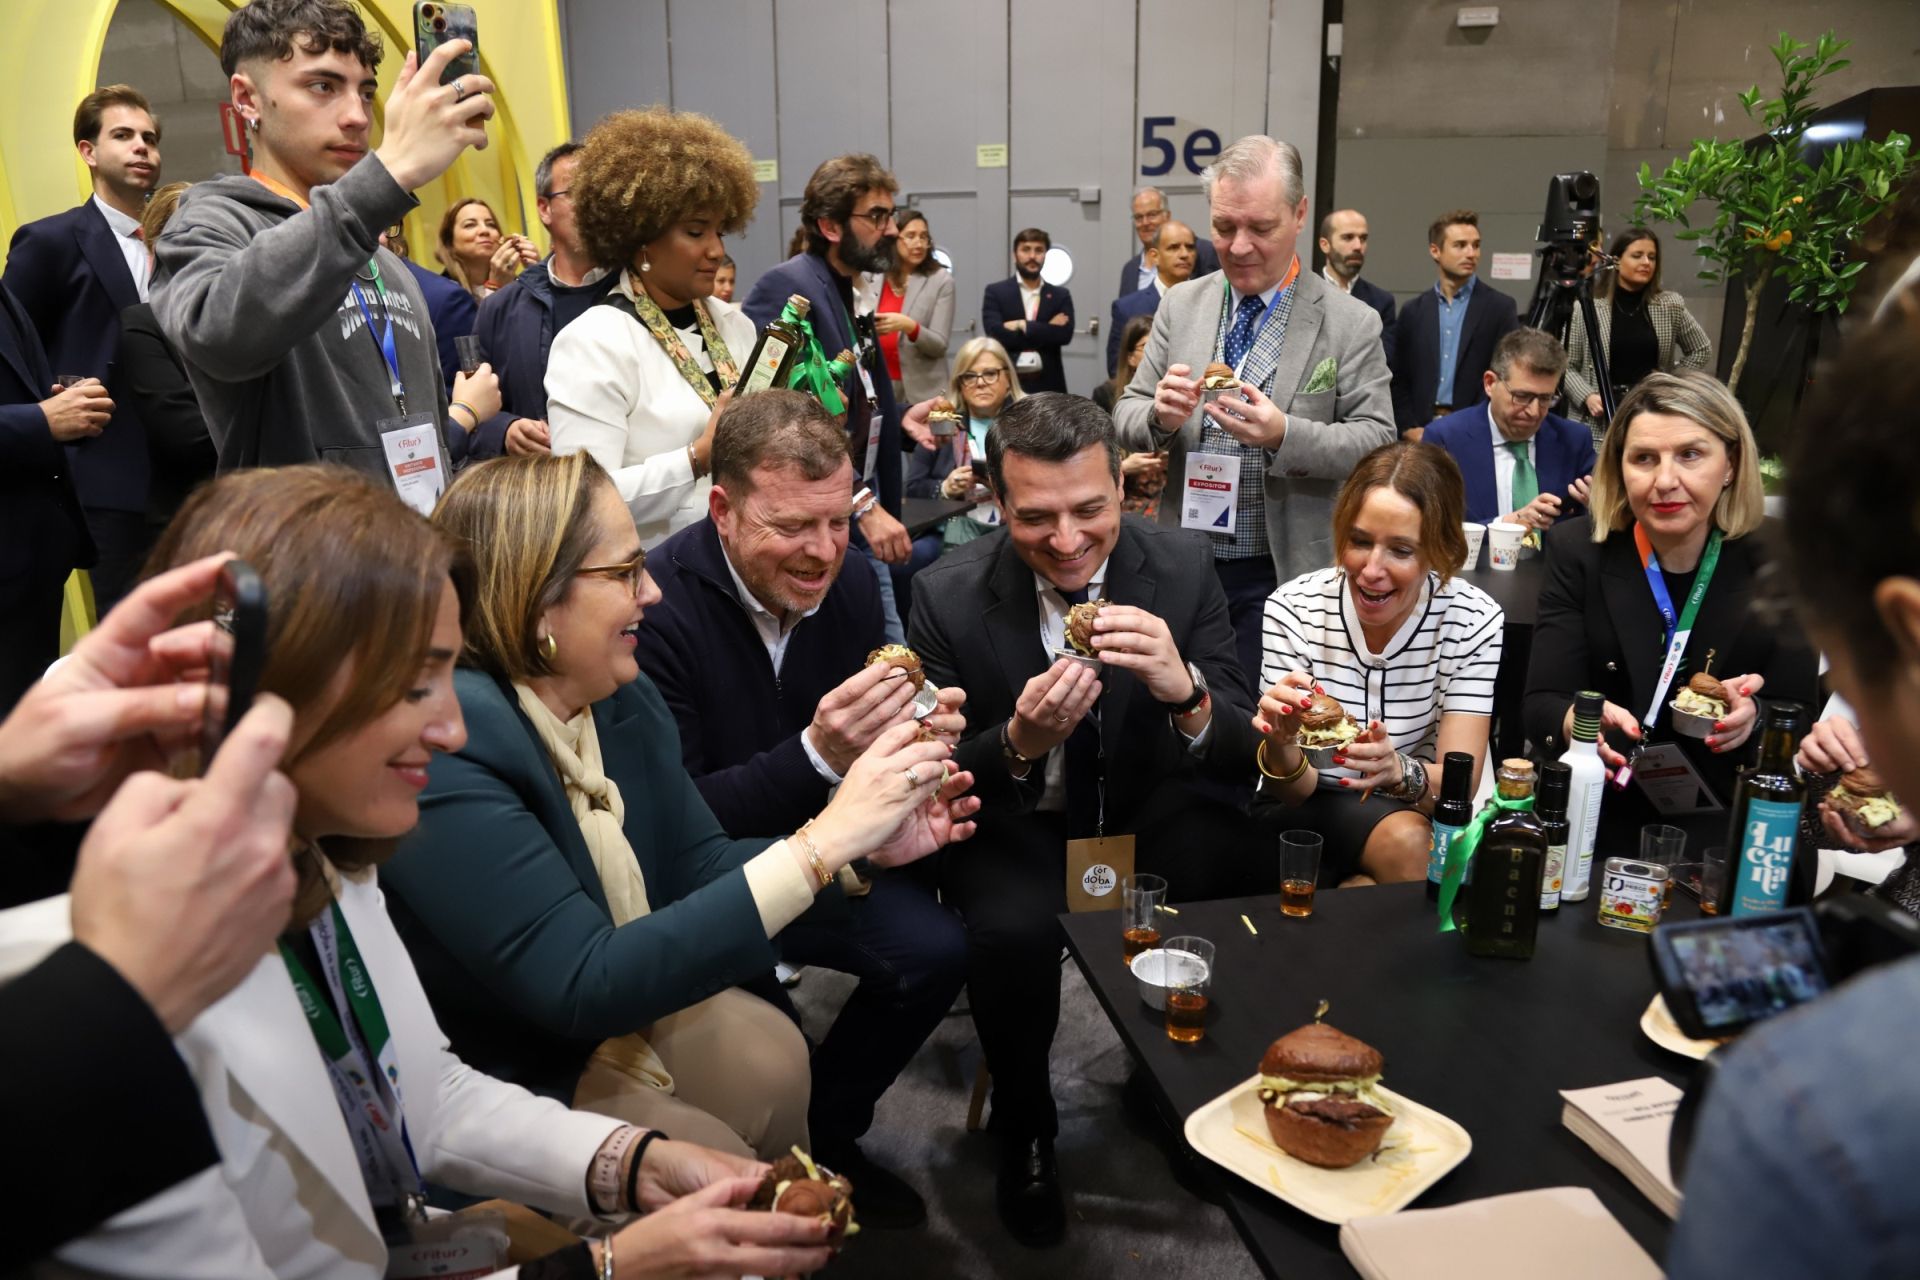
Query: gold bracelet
pixel 812 851
pixel 1260 759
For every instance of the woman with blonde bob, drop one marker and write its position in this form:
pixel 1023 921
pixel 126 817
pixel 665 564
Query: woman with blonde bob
pixel 326 1080
pixel 639 380
pixel 1676 508
pixel 579 916
pixel 1410 651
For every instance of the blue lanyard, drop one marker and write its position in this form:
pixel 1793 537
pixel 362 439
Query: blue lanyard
pixel 384 340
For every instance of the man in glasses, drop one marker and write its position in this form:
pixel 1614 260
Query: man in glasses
pixel 1149 214
pixel 847 215
pixel 1029 317
pixel 1521 463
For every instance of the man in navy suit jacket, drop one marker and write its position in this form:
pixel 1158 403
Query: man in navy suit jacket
pixel 74 273
pixel 848 215
pixel 1444 340
pixel 1029 317
pixel 43 536
pixel 1173 251
pixel 1521 383
pixel 1149 215
pixel 1343 241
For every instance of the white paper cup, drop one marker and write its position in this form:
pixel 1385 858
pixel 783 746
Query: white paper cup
pixel 1476 534
pixel 1503 543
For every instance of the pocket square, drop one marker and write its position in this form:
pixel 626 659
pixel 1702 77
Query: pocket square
pixel 1324 376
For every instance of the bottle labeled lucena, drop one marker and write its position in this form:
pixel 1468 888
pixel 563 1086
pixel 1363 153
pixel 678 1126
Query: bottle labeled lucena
pixel 1767 800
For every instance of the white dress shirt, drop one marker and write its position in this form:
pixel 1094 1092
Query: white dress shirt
pixel 126 233
pixel 1503 463
pixel 1328 274
pixel 1030 299
pixel 775 633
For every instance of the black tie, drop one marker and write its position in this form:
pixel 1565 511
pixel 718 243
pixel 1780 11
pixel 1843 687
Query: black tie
pixel 1084 763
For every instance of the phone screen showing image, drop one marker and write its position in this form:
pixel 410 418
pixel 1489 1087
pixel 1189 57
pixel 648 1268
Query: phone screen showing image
pixel 1739 972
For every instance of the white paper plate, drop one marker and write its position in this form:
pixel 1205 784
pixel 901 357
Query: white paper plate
pixel 1658 1024
pixel 1419 1149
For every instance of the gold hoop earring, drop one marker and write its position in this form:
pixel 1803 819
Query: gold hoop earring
pixel 548 648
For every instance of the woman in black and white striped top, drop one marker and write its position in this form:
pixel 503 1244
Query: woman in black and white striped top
pixel 1409 650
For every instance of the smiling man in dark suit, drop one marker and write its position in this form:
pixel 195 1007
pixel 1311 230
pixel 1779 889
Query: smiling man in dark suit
pixel 1151 743
pixel 1173 259
pixel 1520 462
pixel 1443 340
pixel 74 273
pixel 1029 317
pixel 1150 213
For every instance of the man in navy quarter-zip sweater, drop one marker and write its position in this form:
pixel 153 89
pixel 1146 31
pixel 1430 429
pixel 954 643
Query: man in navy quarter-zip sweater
pixel 759 647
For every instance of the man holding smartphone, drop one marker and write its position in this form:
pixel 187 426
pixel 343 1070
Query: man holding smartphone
pixel 304 340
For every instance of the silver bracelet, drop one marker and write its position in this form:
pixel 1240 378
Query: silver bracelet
pixel 606 1258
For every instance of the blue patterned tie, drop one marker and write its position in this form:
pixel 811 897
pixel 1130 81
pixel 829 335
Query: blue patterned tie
pixel 1246 323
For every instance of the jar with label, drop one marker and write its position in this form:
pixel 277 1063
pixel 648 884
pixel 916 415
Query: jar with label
pixel 1631 893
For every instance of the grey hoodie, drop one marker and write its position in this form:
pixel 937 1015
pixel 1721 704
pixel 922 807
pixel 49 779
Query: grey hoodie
pixel 256 295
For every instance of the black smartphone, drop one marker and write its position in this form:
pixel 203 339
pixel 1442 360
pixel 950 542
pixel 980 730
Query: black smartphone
pixel 435 24
pixel 236 655
pixel 1721 976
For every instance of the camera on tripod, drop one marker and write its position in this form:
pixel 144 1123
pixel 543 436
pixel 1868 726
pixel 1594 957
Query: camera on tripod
pixel 1570 258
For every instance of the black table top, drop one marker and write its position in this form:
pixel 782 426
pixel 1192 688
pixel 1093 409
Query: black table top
pixel 921 514
pixel 1516 590
pixel 1486 1042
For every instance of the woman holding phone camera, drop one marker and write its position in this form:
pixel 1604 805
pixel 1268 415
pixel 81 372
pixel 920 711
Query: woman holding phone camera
pixel 579 917
pixel 326 1081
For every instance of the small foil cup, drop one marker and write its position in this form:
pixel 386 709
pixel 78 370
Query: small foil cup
pixel 1321 757
pixel 926 700
pixel 1685 722
pixel 942 427
pixel 1209 395
pixel 1074 655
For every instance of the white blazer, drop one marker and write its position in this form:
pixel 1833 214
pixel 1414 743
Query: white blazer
pixel 613 391
pixel 287 1201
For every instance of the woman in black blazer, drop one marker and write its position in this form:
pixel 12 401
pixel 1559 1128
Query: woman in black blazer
pixel 1683 474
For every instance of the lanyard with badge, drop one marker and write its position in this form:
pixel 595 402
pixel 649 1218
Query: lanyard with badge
pixel 861 351
pixel 1096 864
pixel 1678 630
pixel 411 440
pixel 1211 498
pixel 351 1029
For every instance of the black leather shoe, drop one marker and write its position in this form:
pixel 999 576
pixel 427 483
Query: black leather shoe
pixel 880 1197
pixel 1028 1192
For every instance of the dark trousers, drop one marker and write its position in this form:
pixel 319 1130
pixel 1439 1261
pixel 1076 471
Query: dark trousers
pixel 123 539
pixel 1010 884
pixel 909 952
pixel 30 637
pixel 1247 584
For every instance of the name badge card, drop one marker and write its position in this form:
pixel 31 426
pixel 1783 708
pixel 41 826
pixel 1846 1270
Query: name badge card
pixel 873 443
pixel 1095 868
pixel 1212 495
pixel 1027 362
pixel 414 462
pixel 1670 781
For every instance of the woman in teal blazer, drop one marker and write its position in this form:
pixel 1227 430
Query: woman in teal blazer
pixel 576 913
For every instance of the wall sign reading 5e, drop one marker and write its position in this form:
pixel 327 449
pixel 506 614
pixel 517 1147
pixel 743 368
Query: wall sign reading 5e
pixel 1159 152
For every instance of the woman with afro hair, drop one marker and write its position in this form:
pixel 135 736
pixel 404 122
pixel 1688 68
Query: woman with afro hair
pixel 640 379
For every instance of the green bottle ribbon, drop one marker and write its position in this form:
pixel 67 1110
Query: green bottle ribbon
pixel 1460 853
pixel 813 373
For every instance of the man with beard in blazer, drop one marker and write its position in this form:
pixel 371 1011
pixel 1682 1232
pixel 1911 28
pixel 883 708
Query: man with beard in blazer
pixel 1155 741
pixel 74 273
pixel 1029 317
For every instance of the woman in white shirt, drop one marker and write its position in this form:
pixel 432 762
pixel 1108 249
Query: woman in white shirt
pixel 1409 650
pixel 640 379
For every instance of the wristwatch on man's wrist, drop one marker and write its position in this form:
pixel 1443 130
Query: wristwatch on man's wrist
pixel 1194 699
pixel 1018 763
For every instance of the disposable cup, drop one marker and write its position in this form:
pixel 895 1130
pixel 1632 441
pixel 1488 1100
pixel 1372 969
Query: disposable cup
pixel 1476 534
pixel 1503 543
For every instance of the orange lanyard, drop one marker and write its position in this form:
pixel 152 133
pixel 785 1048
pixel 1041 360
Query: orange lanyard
pixel 279 189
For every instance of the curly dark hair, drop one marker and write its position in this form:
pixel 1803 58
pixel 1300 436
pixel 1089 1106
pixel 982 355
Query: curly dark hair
pixel 272 29
pixel 640 172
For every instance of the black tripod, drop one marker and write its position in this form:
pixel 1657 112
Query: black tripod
pixel 1567 269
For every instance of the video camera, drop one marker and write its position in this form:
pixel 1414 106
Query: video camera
pixel 1570 257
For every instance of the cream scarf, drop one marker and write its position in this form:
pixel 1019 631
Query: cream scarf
pixel 574 748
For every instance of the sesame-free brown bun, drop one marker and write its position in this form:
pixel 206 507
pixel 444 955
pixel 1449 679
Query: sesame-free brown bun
pixel 1863 802
pixel 1708 687
pixel 1323 712
pixel 1080 626
pixel 943 410
pixel 898 655
pixel 1318 1052
pixel 1219 377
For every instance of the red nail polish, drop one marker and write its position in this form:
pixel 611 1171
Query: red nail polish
pixel 1719 727
pixel 1345 783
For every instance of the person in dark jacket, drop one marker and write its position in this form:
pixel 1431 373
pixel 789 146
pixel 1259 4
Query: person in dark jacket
pixel 759 646
pixel 579 919
pixel 1443 340
pixel 518 322
pixel 180 452
pixel 1343 240
pixel 1029 317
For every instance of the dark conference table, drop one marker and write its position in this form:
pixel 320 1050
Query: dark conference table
pixel 1486 1042
pixel 919 515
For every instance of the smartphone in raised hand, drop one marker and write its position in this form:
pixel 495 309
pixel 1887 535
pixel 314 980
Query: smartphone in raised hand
pixel 434 24
pixel 236 655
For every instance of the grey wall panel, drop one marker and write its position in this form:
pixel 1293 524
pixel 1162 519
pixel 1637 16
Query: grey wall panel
pixel 723 66
pixel 1293 90
pixel 616 52
pixel 831 58
pixel 949 79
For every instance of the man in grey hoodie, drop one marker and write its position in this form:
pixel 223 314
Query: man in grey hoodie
pixel 273 286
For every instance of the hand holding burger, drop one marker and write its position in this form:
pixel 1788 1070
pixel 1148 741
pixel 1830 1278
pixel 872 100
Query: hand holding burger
pixel 1860 813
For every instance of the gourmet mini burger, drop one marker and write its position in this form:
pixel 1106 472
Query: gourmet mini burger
pixel 1704 696
pixel 1322 1105
pixel 1325 723
pixel 1864 802
pixel 943 419
pixel 1080 626
pixel 898 655
pixel 1219 377
pixel 796 1185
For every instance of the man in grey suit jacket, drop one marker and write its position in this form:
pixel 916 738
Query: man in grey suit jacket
pixel 1314 392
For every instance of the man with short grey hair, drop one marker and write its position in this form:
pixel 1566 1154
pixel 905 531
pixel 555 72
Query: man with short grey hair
pixel 1257 467
pixel 1149 213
